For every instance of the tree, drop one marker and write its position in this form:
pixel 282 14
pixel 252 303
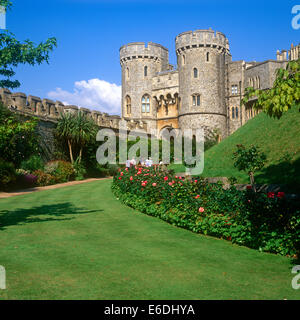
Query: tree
pixel 284 94
pixel 14 52
pixel 18 137
pixel 249 160
pixel 85 131
pixel 77 130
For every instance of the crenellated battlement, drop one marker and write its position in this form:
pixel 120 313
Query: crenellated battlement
pixel 49 110
pixel 136 50
pixel 201 38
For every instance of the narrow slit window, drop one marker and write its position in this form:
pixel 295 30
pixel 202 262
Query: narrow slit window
pixel 195 73
pixel 207 56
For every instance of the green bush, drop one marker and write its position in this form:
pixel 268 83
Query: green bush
pixel 268 222
pixel 18 137
pixel 32 164
pixel 7 173
pixel 79 169
pixel 63 171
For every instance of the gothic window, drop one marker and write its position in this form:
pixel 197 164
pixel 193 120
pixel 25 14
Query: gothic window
pixel 196 100
pixel 232 113
pixel 236 112
pixel 128 105
pixel 145 71
pixel 257 82
pixel 195 73
pixel 145 104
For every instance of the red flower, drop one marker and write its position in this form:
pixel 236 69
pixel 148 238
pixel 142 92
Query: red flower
pixel 166 178
pixel 154 184
pixel 170 183
pixel 197 196
pixel 121 173
pixel 280 194
pixel 120 178
pixel 270 194
pixel 131 178
pixel 195 181
pixel 201 209
pixel 249 187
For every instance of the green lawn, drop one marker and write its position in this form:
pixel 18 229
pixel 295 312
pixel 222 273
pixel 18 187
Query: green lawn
pixel 278 139
pixel 80 242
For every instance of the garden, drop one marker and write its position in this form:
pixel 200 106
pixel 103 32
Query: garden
pixel 23 163
pixel 263 221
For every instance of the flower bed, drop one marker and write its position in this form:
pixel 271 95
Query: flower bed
pixel 261 221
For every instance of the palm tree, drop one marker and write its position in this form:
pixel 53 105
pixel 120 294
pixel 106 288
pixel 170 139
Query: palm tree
pixel 65 129
pixel 77 129
pixel 85 131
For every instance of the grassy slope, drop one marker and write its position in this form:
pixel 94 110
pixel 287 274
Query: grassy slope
pixel 277 138
pixel 80 242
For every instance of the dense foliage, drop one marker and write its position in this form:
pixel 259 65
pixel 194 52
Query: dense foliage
pixel 268 222
pixel 76 130
pixel 18 138
pixel 284 94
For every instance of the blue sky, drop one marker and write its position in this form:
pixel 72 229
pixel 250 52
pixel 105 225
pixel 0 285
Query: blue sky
pixel 84 69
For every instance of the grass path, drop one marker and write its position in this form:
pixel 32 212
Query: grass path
pixel 79 242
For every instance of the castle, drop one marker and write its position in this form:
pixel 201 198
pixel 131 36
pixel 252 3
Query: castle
pixel 204 90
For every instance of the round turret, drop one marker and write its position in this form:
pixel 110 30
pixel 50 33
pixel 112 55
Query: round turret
pixel 201 57
pixel 140 63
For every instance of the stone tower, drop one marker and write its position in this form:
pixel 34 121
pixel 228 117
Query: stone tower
pixel 201 60
pixel 140 63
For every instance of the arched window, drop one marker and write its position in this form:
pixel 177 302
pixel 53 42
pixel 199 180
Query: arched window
pixel 207 56
pixel 145 71
pixel 146 104
pixel 258 82
pixel 128 105
pixel 236 112
pixel 183 59
pixel 232 113
pixel 195 73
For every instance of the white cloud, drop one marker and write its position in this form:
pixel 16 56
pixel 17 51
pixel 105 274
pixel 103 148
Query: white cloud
pixel 94 94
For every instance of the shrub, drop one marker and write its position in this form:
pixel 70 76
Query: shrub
pixel 30 179
pixel 18 137
pixel 63 171
pixel 32 164
pixel 268 222
pixel 79 170
pixel 44 179
pixel 7 173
